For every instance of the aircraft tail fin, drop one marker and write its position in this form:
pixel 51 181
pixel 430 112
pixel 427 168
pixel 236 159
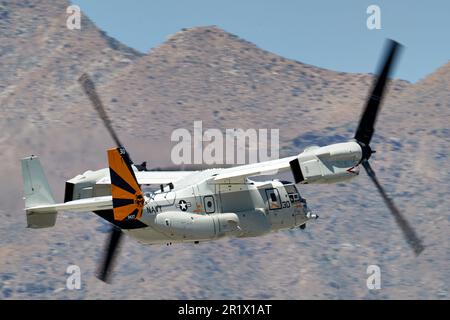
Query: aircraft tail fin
pixel 37 193
pixel 128 200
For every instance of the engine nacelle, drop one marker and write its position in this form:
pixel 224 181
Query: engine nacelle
pixel 330 164
pixel 190 226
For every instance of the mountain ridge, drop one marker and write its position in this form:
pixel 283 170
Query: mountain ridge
pixel 226 82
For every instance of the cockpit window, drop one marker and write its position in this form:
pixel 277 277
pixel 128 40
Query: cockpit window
pixel 273 198
pixel 294 195
pixel 291 188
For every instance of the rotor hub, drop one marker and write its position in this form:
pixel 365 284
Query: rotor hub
pixel 366 151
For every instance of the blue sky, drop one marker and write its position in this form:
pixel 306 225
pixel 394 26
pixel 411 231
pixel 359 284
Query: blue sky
pixel 329 34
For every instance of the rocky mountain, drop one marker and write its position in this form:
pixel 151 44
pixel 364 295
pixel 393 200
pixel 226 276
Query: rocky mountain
pixel 205 73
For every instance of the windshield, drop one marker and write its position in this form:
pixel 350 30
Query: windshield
pixel 291 190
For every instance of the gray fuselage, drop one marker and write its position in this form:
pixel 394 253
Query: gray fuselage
pixel 207 210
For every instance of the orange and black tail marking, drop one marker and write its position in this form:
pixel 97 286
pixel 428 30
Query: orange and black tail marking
pixel 128 200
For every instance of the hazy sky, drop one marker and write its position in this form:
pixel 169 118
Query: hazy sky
pixel 329 34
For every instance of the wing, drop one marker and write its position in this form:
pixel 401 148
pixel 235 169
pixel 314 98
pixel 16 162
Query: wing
pixel 240 173
pixel 153 177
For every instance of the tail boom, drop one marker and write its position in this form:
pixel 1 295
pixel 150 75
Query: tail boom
pixel 40 207
pixel 37 194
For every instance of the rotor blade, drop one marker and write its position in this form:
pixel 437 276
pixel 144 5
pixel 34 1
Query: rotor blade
pixel 409 233
pixel 89 89
pixel 366 125
pixel 113 243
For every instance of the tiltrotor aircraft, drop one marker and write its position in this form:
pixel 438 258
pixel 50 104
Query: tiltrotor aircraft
pixel 205 205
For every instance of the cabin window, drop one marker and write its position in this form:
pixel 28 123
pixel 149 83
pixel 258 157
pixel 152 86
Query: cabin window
pixel 208 203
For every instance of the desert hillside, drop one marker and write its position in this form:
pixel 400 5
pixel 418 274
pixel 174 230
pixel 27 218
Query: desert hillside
pixel 206 73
